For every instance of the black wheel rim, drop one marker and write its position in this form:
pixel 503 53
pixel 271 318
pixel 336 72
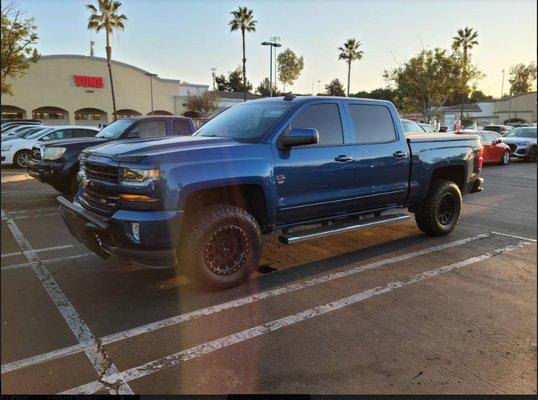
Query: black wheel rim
pixel 447 209
pixel 226 250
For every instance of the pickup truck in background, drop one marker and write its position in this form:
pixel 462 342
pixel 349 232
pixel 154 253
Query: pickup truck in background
pixel 305 166
pixel 56 162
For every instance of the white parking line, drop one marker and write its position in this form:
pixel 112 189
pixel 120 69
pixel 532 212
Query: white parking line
pixel 49 261
pixel 95 353
pixel 515 236
pixel 235 303
pixel 35 216
pixel 18 253
pixel 152 367
pixel 33 211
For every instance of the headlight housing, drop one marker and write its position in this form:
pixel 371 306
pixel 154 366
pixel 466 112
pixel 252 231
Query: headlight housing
pixel 6 147
pixel 138 175
pixel 53 153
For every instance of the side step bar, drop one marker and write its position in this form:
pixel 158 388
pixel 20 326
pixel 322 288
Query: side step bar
pixel 299 236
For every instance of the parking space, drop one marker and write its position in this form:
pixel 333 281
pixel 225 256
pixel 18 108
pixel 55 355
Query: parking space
pixel 385 309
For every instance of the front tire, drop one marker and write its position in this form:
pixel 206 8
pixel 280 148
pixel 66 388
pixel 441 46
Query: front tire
pixel 505 159
pixel 440 211
pixel 21 158
pixel 531 155
pixel 220 246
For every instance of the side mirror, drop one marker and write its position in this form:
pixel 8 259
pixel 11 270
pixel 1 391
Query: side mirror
pixel 298 137
pixel 45 138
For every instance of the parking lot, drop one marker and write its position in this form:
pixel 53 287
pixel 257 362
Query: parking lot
pixel 382 310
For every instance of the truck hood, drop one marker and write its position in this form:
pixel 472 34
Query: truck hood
pixel 89 141
pixel 135 150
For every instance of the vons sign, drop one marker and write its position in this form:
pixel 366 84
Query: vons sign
pixel 89 81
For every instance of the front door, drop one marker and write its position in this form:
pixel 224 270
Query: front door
pixel 316 180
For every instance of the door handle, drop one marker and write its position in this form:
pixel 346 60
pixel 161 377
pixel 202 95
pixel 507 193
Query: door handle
pixel 343 158
pixel 399 154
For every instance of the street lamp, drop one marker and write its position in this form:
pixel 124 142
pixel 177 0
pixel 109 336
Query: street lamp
pixel 271 45
pixel 151 86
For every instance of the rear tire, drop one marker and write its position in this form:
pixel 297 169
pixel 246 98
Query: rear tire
pixel 20 159
pixel 220 246
pixel 440 211
pixel 505 159
pixel 531 155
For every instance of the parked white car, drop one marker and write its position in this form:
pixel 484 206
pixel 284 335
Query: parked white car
pixel 19 151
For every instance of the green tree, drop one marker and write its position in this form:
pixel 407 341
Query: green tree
pixel 106 17
pixel 289 67
pixel 222 83
pixel 18 45
pixel 349 53
pixel 479 95
pixel 334 88
pixel 205 104
pixel 425 82
pixel 379 94
pixel 462 43
pixel 263 88
pixel 522 78
pixel 243 20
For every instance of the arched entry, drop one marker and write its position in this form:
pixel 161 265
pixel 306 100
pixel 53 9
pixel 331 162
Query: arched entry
pixel 192 114
pixel 90 117
pixel 12 112
pixel 51 115
pixel 127 113
pixel 160 112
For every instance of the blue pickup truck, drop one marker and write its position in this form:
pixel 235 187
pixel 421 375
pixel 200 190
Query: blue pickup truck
pixel 304 166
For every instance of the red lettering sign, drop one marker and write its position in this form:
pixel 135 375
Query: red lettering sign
pixel 89 81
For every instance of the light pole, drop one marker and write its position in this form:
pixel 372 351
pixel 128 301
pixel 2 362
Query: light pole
pixel 271 45
pixel 151 87
pixel 213 70
pixel 275 39
pixel 502 86
pixel 318 87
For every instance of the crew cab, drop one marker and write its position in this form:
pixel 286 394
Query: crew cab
pixel 305 166
pixel 56 162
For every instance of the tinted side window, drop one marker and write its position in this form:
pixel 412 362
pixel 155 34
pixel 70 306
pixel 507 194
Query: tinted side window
pixel 149 129
pixel 323 117
pixel 373 124
pixel 181 127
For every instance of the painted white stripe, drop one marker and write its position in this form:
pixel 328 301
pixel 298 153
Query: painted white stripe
pixel 33 211
pixel 17 253
pixel 49 261
pixel 95 353
pixel 157 365
pixel 245 300
pixel 35 216
pixel 514 236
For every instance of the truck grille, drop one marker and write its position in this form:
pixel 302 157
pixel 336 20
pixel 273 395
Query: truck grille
pixel 95 197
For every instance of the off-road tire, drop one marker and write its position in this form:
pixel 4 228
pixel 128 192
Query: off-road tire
pixel 505 160
pixel 204 231
pixel 17 161
pixel 431 217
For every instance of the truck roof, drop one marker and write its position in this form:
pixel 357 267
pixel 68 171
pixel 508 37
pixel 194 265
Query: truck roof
pixel 301 99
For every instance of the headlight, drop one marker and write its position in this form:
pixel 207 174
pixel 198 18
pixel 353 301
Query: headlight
pixel 137 175
pixel 53 153
pixel 6 147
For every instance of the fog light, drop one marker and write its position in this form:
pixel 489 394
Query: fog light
pixel 135 227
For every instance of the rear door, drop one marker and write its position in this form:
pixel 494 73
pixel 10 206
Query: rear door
pixel 316 180
pixel 382 156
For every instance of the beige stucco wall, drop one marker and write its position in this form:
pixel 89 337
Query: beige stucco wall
pixel 50 83
pixel 523 106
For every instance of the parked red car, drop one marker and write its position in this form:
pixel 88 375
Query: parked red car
pixel 495 151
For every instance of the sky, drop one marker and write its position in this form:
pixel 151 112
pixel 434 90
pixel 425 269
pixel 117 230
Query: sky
pixel 184 39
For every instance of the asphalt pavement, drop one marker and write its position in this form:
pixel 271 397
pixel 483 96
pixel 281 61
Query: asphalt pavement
pixel 382 310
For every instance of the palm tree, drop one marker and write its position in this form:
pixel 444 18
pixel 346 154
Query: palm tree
pixel 107 19
pixel 350 52
pixel 243 19
pixel 465 40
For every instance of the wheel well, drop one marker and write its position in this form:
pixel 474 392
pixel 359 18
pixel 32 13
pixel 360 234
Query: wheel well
pixel 249 197
pixel 454 173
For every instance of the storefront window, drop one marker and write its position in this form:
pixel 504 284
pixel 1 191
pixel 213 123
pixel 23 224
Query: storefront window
pixel 11 115
pixel 48 115
pixel 88 116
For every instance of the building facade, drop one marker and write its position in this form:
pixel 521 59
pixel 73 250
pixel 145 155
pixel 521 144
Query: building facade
pixel 75 89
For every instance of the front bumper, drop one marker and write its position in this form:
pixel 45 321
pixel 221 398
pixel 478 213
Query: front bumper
pixel 46 172
pixel 518 150
pixel 7 157
pixel 105 236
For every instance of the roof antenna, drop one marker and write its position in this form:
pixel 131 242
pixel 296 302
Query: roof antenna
pixel 289 96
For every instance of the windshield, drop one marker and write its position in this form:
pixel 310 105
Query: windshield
pixel 522 132
pixel 245 122
pixel 411 126
pixel 115 129
pixel 38 133
pixel 33 131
